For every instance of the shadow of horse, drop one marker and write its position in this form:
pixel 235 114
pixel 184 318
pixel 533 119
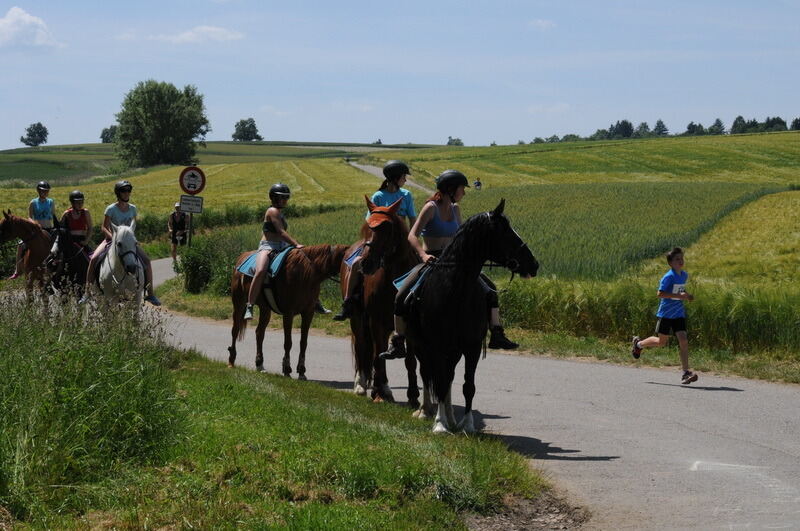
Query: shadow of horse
pixel 448 317
pixel 38 244
pixel 296 291
pixel 387 255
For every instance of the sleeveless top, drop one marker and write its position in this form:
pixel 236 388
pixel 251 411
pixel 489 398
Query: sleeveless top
pixel 77 226
pixel 437 227
pixel 178 221
pixel 269 227
pixel 43 212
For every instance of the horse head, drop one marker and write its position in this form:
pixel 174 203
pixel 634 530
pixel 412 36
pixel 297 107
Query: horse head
pixel 124 246
pixel 386 232
pixel 506 246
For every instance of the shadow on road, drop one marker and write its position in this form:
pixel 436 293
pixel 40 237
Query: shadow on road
pixel 537 449
pixel 698 387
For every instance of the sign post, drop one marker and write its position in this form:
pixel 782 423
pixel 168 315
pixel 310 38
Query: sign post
pixel 192 181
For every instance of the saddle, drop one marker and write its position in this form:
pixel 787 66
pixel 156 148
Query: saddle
pixel 276 262
pixel 407 286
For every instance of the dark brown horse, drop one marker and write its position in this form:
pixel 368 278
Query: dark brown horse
pixel 387 255
pixel 37 242
pixel 296 292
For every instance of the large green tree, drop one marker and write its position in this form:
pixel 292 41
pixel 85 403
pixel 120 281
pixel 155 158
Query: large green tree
pixel 158 124
pixel 35 134
pixel 246 131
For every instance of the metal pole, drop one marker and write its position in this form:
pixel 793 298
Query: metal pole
pixel 191 229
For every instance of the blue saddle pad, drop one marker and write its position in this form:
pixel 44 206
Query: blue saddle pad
pixel 248 267
pixel 398 282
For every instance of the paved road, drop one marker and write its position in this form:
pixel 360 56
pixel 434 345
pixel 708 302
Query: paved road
pixel 378 172
pixel 631 444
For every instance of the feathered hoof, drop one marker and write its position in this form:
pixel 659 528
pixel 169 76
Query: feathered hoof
pixel 230 365
pixel 260 368
pixel 378 399
pixel 359 390
pixel 302 377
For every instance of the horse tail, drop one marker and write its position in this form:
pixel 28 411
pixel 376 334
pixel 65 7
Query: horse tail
pixel 239 298
pixel 362 346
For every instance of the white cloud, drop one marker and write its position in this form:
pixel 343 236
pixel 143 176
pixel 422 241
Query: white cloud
pixel 18 28
pixel 269 109
pixel 542 24
pixel 201 34
pixel 554 108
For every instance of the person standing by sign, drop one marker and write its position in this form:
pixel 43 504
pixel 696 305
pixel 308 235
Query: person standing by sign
pixel 176 223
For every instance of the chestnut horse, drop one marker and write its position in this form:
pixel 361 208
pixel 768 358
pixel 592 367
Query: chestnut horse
pixel 38 247
pixel 386 256
pixel 296 291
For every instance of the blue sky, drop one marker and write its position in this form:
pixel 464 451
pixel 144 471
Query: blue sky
pixel 401 71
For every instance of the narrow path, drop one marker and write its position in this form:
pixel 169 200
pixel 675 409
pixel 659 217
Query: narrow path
pixel 378 172
pixel 631 444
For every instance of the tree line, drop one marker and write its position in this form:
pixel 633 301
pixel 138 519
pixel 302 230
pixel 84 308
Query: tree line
pixel 624 129
pixel 160 124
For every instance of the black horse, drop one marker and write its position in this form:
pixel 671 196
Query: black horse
pixel 70 264
pixel 448 317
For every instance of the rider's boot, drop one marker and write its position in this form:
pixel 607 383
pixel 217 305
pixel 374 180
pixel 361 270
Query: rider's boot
pixel 498 339
pixel 397 348
pixel 248 312
pixel 320 309
pixel 348 306
pixel 152 299
pixel 87 295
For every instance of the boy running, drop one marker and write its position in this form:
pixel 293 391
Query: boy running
pixel 671 314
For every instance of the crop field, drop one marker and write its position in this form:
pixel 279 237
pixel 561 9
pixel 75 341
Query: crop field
pixel 312 181
pixel 766 158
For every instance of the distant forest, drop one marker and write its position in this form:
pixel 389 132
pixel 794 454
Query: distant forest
pixel 625 129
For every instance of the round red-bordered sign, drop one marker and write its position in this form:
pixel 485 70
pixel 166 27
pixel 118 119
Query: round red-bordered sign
pixel 192 180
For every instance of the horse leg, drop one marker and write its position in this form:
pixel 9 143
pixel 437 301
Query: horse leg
pixel 234 336
pixel 440 423
pixel 263 321
pixel 470 366
pixel 287 344
pixel 448 404
pixel 305 324
pixel 413 389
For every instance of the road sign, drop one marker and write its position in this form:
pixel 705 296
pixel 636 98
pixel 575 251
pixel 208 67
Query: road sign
pixel 192 204
pixel 192 180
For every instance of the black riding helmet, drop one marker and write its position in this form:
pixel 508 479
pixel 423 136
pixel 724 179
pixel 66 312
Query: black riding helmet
pixel 394 169
pixel 43 185
pixel 76 195
pixel 122 186
pixel 279 191
pixel 449 180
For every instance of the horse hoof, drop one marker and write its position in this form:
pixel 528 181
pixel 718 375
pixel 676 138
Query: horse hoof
pixel 360 391
pixel 230 365
pixel 439 428
pixel 413 404
pixel 288 375
pixel 377 400
pixel 301 377
pixel 260 368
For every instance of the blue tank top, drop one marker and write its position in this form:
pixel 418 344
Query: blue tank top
pixel 42 210
pixel 437 227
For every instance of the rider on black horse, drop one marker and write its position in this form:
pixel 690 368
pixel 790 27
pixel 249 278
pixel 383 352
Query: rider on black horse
pixel 437 223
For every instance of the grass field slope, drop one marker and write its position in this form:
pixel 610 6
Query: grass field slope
pixel 762 158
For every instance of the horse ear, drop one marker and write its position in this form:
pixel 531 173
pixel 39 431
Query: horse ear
pixel 113 228
pixel 133 226
pixel 6 214
pixel 394 207
pixel 499 210
pixel 370 205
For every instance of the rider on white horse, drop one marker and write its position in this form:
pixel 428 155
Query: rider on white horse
pixel 120 213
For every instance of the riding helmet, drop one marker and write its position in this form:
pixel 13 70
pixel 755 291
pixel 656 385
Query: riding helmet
pixel 450 180
pixel 76 195
pixel 122 186
pixel 43 185
pixel 279 191
pixel 394 169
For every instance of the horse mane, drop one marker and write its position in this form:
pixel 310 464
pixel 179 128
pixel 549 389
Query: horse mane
pixel 463 246
pixel 315 260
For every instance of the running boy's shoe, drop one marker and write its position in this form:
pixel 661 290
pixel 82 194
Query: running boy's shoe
pixel 636 350
pixel 688 377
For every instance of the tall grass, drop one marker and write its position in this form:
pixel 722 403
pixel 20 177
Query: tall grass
pixel 78 398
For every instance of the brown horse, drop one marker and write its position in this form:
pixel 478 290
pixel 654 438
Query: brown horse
pixel 386 256
pixel 296 292
pixel 38 247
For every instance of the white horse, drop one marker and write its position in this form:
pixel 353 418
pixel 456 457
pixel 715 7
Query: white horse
pixel 121 273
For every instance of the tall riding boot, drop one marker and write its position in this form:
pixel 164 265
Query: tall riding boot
pixel 397 348
pixel 498 339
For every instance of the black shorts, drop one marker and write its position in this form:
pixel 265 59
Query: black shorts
pixel 667 326
pixel 178 240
